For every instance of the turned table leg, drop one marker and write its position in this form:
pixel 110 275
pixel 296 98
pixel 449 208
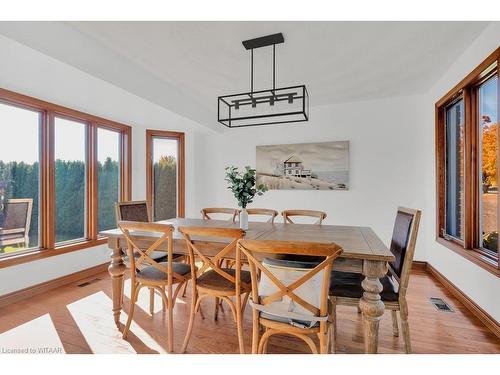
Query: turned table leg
pixel 371 305
pixel 117 269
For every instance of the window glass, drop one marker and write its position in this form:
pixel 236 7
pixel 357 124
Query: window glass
pixel 455 170
pixel 488 132
pixel 70 181
pixel 19 178
pixel 165 158
pixel 108 159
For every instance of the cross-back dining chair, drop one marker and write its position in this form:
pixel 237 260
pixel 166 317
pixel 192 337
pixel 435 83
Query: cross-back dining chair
pixel 288 214
pixel 148 272
pixel 271 214
pixel 293 300
pixel 232 212
pixel 346 288
pixel 17 221
pixel 139 211
pixel 133 211
pixel 212 280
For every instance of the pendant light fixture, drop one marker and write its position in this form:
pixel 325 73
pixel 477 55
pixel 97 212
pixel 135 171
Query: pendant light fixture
pixel 276 105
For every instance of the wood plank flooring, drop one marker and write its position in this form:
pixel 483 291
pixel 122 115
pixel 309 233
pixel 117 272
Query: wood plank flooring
pixel 80 319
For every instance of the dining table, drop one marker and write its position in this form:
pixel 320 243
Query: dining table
pixel 363 252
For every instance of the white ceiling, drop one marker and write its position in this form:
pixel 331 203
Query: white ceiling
pixel 184 66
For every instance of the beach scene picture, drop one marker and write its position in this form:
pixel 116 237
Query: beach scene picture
pixel 304 166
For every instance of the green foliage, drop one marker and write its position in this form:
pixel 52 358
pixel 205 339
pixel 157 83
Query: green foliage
pixel 165 188
pixel 21 180
pixel 490 241
pixel 242 184
pixel 108 182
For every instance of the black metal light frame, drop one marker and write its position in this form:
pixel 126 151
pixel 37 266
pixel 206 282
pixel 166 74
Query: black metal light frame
pixel 228 105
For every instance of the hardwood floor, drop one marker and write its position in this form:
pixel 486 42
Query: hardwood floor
pixel 78 319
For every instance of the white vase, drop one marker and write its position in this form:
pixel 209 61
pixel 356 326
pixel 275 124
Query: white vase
pixel 244 219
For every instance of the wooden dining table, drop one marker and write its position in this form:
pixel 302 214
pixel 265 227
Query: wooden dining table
pixel 364 252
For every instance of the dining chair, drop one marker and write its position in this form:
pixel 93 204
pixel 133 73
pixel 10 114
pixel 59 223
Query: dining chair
pixel 139 211
pixel 232 212
pixel 263 212
pixel 17 221
pixel 212 280
pixel 289 297
pixel 148 272
pixel 346 288
pixel 133 211
pixel 319 215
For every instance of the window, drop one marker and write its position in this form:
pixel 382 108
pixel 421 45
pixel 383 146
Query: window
pixel 467 166
pixel 488 141
pixel 70 166
pixel 108 169
pixel 70 143
pixel 19 177
pixel 165 173
pixel 454 169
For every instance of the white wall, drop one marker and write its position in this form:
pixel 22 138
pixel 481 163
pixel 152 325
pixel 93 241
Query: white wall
pixel 29 72
pixel 386 168
pixel 480 285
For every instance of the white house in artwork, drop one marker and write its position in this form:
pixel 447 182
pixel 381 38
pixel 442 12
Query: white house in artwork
pixel 293 166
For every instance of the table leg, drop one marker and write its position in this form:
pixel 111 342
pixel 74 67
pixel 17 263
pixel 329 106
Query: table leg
pixel 371 305
pixel 117 269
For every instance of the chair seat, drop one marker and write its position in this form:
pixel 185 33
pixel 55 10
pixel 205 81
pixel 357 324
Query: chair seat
pixel 280 319
pixel 348 284
pixel 213 280
pixel 153 273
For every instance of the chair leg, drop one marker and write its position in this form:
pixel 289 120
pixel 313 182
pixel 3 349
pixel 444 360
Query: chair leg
pixel 239 323
pixel 323 338
pixel 405 327
pixel 184 290
pixel 133 300
pixel 263 342
pixel 195 305
pixel 217 304
pixel 333 329
pixel 264 346
pixel 163 305
pixel 395 329
pixel 255 331
pixel 151 301
pixel 170 308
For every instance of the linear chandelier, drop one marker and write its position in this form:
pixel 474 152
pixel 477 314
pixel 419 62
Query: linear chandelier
pixel 264 107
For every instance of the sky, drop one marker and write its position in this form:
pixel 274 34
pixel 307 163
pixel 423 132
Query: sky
pixel 489 99
pixel 319 157
pixel 164 147
pixel 19 138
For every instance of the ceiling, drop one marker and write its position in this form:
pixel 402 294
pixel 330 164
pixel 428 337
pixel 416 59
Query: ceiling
pixel 184 66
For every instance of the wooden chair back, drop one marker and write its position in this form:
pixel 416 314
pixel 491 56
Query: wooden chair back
pixel 17 220
pixel 212 262
pixel 288 214
pixel 232 212
pixel 404 238
pixel 133 211
pixel 265 212
pixel 132 233
pixel 255 251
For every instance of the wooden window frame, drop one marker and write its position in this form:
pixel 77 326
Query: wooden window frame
pixel 150 135
pixel 48 112
pixel 467 90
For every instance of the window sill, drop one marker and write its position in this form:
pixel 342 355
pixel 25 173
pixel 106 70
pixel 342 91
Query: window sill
pixel 474 256
pixel 34 255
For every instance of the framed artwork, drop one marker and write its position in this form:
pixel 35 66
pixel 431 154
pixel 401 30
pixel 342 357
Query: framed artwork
pixel 304 166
